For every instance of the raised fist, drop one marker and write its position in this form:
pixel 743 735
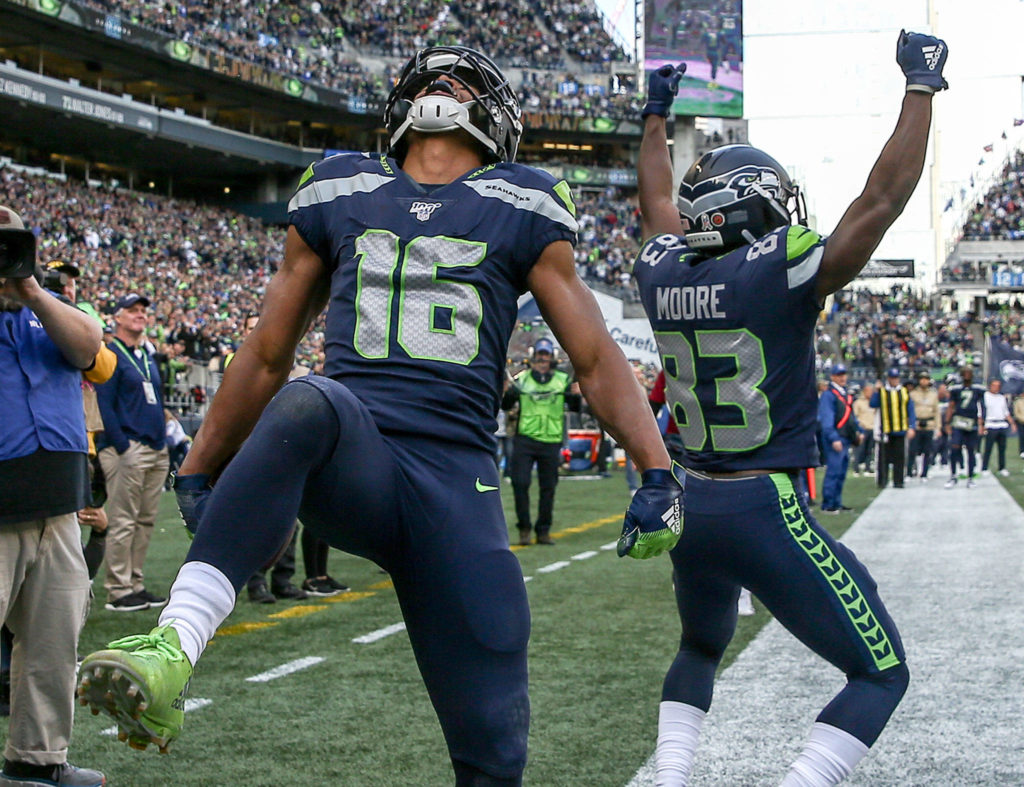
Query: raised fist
pixel 662 87
pixel 922 58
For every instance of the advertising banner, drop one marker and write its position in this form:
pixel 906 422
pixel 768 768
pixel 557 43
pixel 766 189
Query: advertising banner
pixel 555 121
pixel 25 86
pixel 888 269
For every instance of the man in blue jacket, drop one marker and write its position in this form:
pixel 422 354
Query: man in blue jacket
pixel 133 454
pixel 45 343
pixel 839 431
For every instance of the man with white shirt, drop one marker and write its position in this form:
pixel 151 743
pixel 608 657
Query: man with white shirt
pixel 998 424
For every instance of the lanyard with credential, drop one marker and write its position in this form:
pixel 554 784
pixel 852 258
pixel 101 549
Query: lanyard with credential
pixel 131 359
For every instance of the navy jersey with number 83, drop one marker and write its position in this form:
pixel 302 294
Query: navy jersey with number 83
pixel 736 337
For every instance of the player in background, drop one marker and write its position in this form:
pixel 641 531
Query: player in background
pixel 732 283
pixel 964 425
pixel 422 255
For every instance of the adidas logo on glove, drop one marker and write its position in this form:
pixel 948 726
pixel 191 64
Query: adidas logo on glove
pixel 673 518
pixel 932 55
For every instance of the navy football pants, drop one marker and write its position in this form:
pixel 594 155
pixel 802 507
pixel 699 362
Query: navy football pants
pixel 758 533
pixel 412 506
pixel 958 440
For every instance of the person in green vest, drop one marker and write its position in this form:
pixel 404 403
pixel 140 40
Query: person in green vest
pixel 542 392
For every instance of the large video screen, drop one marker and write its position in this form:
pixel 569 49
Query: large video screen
pixel 708 36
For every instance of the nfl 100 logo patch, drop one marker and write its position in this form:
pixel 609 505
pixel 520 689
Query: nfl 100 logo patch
pixel 424 210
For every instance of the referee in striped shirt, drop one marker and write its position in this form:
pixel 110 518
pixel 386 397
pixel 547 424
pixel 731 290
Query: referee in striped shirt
pixel 894 426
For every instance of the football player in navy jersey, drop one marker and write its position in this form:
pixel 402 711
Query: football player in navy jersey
pixel 732 282
pixel 421 254
pixel 964 425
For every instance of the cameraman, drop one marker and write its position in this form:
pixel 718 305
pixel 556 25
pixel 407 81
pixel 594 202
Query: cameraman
pixel 45 343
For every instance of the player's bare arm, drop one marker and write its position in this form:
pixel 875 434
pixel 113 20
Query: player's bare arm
pixel 604 375
pixel 658 212
pixel 896 172
pixel 295 296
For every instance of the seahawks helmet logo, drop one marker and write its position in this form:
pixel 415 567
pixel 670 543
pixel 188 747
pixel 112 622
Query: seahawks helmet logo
pixel 731 187
pixel 1011 370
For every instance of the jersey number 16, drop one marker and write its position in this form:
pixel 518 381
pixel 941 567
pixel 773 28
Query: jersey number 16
pixel 438 317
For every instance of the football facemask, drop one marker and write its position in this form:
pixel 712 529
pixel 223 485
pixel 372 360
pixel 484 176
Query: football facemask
pixel 734 195
pixel 491 116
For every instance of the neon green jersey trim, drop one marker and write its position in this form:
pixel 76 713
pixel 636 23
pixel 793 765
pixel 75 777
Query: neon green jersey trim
pixel 564 193
pixel 850 596
pixel 799 240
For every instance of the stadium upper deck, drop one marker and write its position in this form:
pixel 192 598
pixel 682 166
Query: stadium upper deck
pixel 261 72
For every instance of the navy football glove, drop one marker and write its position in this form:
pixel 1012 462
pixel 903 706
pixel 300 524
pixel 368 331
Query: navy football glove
pixel 654 520
pixel 192 492
pixel 662 87
pixel 922 58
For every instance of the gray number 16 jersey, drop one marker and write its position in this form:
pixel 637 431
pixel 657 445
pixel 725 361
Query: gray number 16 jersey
pixel 424 283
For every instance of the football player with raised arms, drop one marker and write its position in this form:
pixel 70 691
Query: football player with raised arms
pixel 732 281
pixel 421 254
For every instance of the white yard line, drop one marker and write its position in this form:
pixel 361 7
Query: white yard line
pixel 552 567
pixel 584 555
pixel 373 636
pixel 285 669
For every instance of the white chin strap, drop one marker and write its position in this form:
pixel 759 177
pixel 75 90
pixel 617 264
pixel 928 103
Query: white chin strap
pixel 435 113
pixel 704 240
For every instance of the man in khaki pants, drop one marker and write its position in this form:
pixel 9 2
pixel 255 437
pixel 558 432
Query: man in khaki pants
pixel 926 408
pixel 133 454
pixel 45 342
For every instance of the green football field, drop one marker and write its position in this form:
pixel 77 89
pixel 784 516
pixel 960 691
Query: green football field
pixel 604 632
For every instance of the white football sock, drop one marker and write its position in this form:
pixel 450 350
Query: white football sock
pixel 829 756
pixel 200 598
pixel 678 729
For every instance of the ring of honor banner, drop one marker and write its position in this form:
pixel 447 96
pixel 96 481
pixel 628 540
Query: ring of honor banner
pixel 708 36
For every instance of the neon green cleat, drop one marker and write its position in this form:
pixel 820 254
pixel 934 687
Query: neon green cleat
pixel 141 682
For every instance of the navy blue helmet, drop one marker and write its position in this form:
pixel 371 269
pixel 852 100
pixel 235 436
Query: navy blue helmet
pixel 735 194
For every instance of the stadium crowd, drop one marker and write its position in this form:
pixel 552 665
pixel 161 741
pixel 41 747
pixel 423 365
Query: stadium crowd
pixel 609 237
pixel 1000 214
pixel 205 268
pixel 900 329
pixel 321 42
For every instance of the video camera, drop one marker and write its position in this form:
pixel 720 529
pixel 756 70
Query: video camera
pixel 17 247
